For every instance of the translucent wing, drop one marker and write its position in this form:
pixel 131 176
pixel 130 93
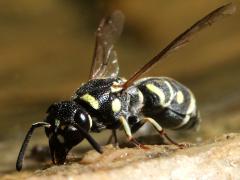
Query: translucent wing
pixel 183 39
pixel 105 63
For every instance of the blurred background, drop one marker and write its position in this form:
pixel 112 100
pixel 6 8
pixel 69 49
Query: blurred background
pixel 46 48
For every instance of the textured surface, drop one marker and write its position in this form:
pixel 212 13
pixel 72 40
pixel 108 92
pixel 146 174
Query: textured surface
pixel 218 159
pixel 46 51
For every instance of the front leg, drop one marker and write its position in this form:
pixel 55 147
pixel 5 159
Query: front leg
pixel 128 132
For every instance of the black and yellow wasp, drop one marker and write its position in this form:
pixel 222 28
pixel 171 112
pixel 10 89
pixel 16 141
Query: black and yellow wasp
pixel 107 101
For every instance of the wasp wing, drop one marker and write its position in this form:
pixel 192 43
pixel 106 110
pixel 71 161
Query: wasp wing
pixel 105 62
pixel 184 38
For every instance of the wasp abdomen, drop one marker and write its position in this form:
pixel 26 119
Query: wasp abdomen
pixel 170 103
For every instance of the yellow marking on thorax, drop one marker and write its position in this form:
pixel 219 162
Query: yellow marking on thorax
pixel 156 90
pixel 93 102
pixel 116 87
pixel 116 105
pixel 179 97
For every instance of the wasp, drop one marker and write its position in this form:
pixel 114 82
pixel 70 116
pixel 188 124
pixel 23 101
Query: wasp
pixel 108 101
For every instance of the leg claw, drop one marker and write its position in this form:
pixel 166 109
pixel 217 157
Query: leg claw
pixel 183 145
pixel 139 145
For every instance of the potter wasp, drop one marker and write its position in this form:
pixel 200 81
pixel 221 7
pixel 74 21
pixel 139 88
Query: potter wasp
pixel 108 101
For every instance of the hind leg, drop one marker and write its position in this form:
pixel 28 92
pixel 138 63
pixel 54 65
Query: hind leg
pixel 161 131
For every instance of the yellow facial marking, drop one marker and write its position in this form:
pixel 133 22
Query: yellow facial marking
pixel 116 105
pixel 93 102
pixel 156 90
pixel 57 122
pixel 179 97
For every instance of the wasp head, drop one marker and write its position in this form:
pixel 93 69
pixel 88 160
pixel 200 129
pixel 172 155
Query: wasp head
pixel 65 118
pixel 66 125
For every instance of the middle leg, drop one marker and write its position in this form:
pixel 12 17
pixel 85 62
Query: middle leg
pixel 113 136
pixel 128 132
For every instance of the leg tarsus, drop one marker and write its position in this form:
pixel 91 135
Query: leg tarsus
pixel 181 145
pixel 113 136
pixel 137 144
pixel 109 139
pixel 114 133
pixel 162 133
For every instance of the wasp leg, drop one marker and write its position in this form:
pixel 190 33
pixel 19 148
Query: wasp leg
pixel 89 138
pixel 162 132
pixel 129 134
pixel 109 139
pixel 113 135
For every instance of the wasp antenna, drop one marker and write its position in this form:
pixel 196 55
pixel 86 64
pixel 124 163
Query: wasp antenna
pixel 26 141
pixel 90 139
